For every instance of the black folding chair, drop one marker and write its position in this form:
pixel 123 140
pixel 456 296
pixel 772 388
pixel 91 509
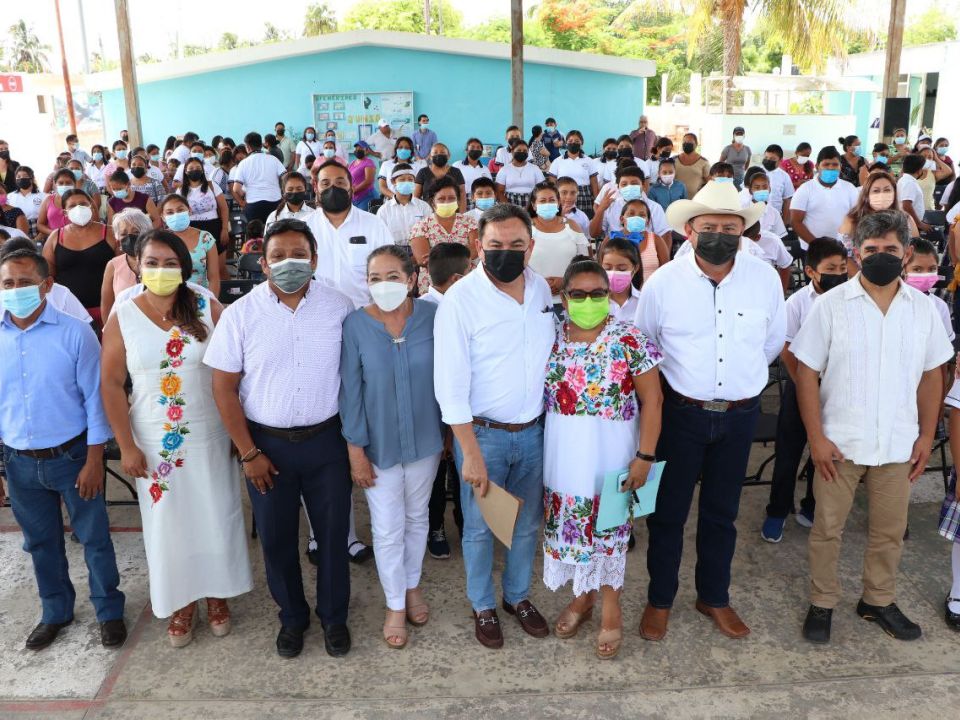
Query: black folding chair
pixel 233 290
pixel 248 267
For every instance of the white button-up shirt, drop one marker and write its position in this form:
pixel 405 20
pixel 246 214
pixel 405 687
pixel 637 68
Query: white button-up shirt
pixel 798 308
pixel 400 218
pixel 870 364
pixel 717 340
pixel 490 352
pixel 471 173
pixel 342 264
pixel 290 359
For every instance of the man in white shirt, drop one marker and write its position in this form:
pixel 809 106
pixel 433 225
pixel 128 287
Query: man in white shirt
pixel 718 316
pixel 182 151
pixel 345 234
pixel 781 186
pixel 275 356
pixel 909 191
pixel 819 205
pixel 869 386
pixel 493 335
pixel 382 141
pixel 257 180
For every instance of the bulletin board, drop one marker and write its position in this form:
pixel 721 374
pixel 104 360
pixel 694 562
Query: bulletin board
pixel 355 116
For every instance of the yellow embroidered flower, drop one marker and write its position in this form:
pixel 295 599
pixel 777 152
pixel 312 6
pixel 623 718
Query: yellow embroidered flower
pixel 170 385
pixel 593 389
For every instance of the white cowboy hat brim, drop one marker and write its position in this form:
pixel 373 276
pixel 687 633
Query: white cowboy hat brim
pixel 681 212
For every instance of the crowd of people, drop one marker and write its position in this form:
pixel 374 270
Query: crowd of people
pixel 425 328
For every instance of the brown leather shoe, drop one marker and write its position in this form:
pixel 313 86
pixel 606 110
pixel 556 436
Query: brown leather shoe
pixel 726 620
pixel 653 624
pixel 530 618
pixel 487 629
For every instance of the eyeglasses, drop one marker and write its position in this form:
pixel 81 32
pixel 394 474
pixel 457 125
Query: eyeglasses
pixel 581 295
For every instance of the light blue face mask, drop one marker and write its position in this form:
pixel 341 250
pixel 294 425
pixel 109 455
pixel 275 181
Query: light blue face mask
pixel 631 192
pixel 943 150
pixel 198 156
pixel 761 195
pixel 882 159
pixel 309 135
pixel 484 203
pixel 21 302
pixel 97 157
pixel 723 180
pixel 78 174
pixel 406 187
pixel 121 194
pixel 636 224
pixel 547 211
pixel 121 154
pixel 829 176
pixel 63 189
pixel 404 153
pixel 177 222
pixel 155 158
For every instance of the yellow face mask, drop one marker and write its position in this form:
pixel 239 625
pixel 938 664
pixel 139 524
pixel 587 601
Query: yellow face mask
pixel 446 210
pixel 162 281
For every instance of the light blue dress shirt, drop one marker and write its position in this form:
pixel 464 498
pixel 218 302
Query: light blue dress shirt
pixel 50 383
pixel 423 142
pixel 387 403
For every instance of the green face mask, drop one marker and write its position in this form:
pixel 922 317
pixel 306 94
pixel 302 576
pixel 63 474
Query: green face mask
pixel 589 312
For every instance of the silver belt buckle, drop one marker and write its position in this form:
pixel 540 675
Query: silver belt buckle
pixel 716 405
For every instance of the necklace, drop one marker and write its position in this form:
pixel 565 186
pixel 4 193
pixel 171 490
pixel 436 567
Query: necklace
pixel 161 313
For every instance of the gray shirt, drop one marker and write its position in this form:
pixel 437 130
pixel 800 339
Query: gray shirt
pixel 738 158
pixel 387 403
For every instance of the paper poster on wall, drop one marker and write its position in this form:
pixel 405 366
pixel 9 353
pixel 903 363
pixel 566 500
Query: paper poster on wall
pixel 356 116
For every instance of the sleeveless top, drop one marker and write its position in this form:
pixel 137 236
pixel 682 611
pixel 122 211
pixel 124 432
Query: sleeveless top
pixel 56 217
pixel 123 276
pixel 927 185
pixel 198 257
pixel 649 260
pixel 136 200
pixel 81 271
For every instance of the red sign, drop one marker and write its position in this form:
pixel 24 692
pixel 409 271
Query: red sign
pixel 11 83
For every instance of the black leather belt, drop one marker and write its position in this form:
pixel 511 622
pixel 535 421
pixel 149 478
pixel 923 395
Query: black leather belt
pixel 710 405
pixel 509 427
pixel 53 452
pixel 295 434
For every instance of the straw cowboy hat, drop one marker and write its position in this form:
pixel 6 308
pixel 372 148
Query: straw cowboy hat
pixel 714 199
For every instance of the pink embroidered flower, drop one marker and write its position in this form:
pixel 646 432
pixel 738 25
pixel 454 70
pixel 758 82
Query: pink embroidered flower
pixel 174 412
pixel 618 371
pixel 176 363
pixel 576 378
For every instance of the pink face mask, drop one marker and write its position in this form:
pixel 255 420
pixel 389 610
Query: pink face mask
pixel 619 280
pixel 923 282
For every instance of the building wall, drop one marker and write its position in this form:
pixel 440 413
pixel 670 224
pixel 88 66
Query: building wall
pixel 464 96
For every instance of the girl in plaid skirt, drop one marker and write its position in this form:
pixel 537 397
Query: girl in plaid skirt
pixel 950 512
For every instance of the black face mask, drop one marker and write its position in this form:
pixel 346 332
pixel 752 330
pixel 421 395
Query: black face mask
pixel 769 165
pixel 128 243
pixel 625 152
pixel 138 172
pixel 512 141
pixel 474 154
pixel 360 154
pixel 295 198
pixel 4 154
pixel 439 160
pixel 881 268
pixel 504 265
pixel 609 154
pixel 24 183
pixel 195 175
pixel 521 156
pixel 688 147
pixel 280 132
pixel 573 147
pixel 828 281
pixel 665 154
pixel 335 199
pixel 717 248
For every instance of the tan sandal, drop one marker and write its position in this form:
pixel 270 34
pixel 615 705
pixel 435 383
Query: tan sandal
pixel 418 612
pixel 569 622
pixel 218 616
pixel 611 639
pixel 395 629
pixel 180 628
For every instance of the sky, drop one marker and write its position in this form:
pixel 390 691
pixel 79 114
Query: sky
pixel 201 22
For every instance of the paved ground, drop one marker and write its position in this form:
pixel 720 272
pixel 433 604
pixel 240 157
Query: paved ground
pixel 444 673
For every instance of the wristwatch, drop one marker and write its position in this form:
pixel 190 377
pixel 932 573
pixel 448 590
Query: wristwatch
pixel 648 458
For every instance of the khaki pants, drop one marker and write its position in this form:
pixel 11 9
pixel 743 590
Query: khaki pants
pixel 888 495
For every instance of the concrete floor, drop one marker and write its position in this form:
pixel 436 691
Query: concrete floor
pixel 445 673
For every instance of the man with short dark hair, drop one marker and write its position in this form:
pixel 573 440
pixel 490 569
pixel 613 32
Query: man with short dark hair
pixel 490 390
pixel 76 153
pixel 275 356
pixel 781 186
pixel 423 137
pixel 53 428
pixel 869 386
pixel 256 183
pixel 182 151
pixel 284 144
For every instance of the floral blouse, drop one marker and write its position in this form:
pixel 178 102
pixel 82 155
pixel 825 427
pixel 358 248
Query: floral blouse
pixel 597 379
pixel 435 234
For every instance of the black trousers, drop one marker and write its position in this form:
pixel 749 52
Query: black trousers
pixel 259 210
pixel 317 469
pixel 791 439
pixel 447 476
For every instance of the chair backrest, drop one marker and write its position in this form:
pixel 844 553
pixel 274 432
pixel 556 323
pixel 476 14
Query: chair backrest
pixel 238 224
pixel 375 205
pixel 232 290
pixel 937 218
pixel 249 263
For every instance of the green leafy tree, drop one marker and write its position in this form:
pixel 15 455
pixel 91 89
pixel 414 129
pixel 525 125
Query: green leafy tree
pixel 27 53
pixel 228 41
pixel 271 33
pixel 401 16
pixel 319 20
pixel 932 26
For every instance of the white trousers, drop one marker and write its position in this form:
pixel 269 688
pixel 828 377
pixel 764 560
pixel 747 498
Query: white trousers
pixel 399 501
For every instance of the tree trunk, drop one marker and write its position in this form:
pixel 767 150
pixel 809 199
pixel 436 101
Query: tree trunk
pixel 732 29
pixel 426 16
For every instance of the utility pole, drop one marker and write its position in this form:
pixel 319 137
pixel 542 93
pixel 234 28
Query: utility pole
pixel 128 72
pixel 516 61
pixel 83 38
pixel 426 16
pixel 68 91
pixel 891 67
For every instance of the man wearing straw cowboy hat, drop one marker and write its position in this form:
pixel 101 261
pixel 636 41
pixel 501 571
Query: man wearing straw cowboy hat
pixel 718 315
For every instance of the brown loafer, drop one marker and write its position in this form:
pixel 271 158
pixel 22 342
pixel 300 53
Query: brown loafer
pixel 726 620
pixel 653 624
pixel 530 618
pixel 487 629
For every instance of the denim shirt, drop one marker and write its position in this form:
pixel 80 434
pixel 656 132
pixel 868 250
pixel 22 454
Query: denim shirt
pixel 664 195
pixel 387 403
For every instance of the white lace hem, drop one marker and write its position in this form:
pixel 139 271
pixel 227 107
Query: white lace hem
pixel 598 570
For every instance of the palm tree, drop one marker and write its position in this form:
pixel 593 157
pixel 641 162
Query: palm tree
pixel 27 53
pixel 320 20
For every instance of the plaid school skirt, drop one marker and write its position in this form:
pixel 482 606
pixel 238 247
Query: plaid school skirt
pixel 519 199
pixel 950 512
pixel 584 198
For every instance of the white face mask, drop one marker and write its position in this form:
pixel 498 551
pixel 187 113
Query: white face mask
pixel 666 179
pixel 738 138
pixel 389 295
pixel 929 165
pixel 802 160
pixel 80 214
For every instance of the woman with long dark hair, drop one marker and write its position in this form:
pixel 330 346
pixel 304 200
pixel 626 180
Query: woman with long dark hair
pixel 208 207
pixel 175 214
pixel 173 442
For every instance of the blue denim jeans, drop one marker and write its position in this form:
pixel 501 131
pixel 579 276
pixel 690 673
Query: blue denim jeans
pixel 36 488
pixel 712 447
pixel 514 462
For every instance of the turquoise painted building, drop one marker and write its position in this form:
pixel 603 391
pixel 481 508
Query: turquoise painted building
pixel 463 85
